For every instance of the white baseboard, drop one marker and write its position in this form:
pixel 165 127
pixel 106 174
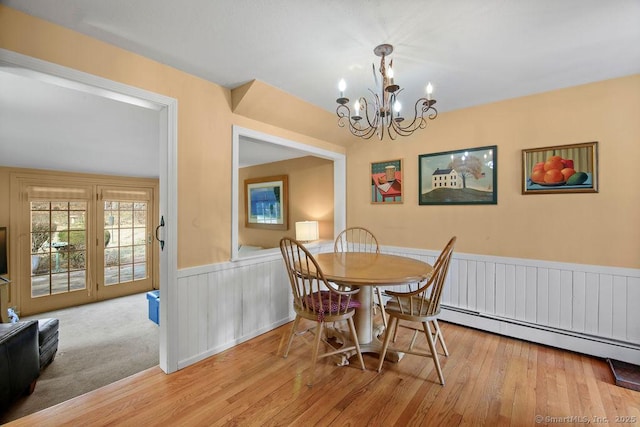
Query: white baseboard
pixel 566 340
pixel 229 344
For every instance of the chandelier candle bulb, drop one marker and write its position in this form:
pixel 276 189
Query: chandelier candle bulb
pixel 429 91
pixel 342 85
pixel 397 107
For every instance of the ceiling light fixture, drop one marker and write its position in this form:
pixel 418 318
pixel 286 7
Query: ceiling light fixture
pixel 383 114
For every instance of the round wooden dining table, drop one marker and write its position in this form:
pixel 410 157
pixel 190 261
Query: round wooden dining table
pixel 366 270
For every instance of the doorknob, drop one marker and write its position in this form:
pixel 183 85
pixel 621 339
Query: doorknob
pixel 158 229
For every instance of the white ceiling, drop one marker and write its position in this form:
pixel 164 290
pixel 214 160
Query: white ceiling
pixel 254 152
pixel 473 52
pixel 46 124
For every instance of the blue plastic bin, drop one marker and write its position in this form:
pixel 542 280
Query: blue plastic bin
pixel 154 306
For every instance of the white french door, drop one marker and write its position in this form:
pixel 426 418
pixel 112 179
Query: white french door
pixel 56 266
pixel 124 249
pixel 59 273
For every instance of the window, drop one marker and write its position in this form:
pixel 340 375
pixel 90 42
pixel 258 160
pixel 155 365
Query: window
pixel 124 236
pixel 58 247
pixel 125 241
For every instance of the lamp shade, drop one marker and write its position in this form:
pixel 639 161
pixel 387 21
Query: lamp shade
pixel 306 231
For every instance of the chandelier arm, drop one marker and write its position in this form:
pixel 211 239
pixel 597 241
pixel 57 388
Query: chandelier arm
pixel 428 106
pixel 365 133
pixel 343 114
pixel 392 135
pixel 365 106
pixel 385 116
pixel 377 108
pixel 344 117
pixel 402 131
pixel 418 116
pixel 371 126
pixel 434 114
pixel 419 120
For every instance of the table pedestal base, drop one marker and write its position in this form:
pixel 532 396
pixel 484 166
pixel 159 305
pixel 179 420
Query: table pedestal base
pixel 374 346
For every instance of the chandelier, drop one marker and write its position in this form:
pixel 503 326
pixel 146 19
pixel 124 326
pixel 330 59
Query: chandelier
pixel 382 114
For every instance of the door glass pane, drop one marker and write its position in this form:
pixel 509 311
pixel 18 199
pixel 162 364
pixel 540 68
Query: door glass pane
pixel 126 255
pixel 58 247
pixel 126 273
pixel 140 254
pixel 111 275
pixel 139 271
pixel 125 237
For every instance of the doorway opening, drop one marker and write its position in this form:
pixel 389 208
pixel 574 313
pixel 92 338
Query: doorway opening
pixel 166 109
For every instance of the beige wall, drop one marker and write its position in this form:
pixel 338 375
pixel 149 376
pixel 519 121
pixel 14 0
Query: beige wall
pixel 584 228
pixel 593 228
pixel 310 198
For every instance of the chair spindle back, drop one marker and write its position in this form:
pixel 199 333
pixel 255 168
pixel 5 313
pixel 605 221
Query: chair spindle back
pixel 425 300
pixel 356 239
pixel 311 291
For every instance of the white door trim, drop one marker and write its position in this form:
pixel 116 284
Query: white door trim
pixel 168 172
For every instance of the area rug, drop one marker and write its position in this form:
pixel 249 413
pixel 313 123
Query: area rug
pixel 99 343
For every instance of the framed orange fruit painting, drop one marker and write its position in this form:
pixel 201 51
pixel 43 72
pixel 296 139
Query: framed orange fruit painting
pixel 560 169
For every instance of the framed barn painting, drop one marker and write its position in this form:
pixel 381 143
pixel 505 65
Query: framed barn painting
pixel 266 202
pixel 461 177
pixel 560 169
pixel 386 182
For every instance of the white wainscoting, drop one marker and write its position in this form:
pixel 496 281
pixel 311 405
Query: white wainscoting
pixel 584 308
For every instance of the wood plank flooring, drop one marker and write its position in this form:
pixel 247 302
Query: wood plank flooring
pixel 490 380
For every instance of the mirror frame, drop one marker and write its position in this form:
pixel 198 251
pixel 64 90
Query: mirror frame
pixel 339 180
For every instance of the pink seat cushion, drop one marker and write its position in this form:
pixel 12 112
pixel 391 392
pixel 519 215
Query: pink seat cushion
pixel 328 304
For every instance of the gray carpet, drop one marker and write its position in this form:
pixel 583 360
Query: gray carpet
pixel 100 343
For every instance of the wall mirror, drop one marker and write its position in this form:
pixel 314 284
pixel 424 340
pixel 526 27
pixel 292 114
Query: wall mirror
pixel 252 148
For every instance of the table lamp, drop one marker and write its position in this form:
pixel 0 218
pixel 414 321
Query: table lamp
pixel 306 231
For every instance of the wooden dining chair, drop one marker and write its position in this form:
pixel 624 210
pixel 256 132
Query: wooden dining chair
pixel 360 239
pixel 420 306
pixel 319 301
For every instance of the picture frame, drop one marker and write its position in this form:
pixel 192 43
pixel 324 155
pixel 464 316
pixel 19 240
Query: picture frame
pixel 571 168
pixel 386 182
pixel 459 177
pixel 267 202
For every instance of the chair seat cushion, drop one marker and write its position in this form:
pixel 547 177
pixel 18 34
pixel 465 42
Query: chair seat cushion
pixel 420 307
pixel 327 304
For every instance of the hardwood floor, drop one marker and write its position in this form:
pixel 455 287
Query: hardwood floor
pixel 490 380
